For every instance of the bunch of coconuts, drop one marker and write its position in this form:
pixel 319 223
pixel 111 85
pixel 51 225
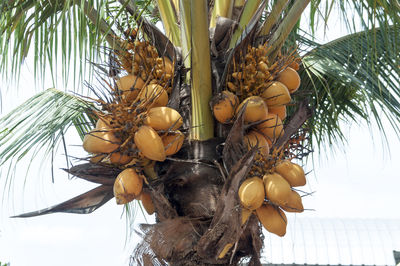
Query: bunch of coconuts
pixel 136 128
pixel 266 90
pixel 269 195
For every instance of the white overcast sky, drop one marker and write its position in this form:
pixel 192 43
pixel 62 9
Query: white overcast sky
pixel 359 179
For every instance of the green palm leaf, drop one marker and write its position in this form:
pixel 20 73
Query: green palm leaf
pixel 40 123
pixel 354 77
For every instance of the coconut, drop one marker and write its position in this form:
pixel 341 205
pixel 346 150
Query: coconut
pixel 272 127
pixel 224 106
pixel 276 94
pixel 130 87
pixel 173 142
pixel 290 78
pixel 292 172
pixel 163 118
pixel 149 143
pixel 119 158
pixel 103 123
pixel 280 111
pixel 100 141
pixel 277 189
pixel 294 203
pixel 147 202
pixel 273 219
pixel 127 186
pixel 251 193
pixel 255 139
pixel 154 94
pixel 256 109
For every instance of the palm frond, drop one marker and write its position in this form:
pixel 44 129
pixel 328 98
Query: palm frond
pixel 352 78
pixel 356 15
pixel 60 35
pixel 40 123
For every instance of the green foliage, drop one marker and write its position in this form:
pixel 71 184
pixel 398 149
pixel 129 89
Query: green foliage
pixel 40 123
pixel 352 78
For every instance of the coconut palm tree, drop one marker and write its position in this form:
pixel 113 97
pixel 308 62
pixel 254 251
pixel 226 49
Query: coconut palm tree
pixel 212 47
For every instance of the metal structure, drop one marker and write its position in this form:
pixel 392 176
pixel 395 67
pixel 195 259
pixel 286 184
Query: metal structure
pixel 318 241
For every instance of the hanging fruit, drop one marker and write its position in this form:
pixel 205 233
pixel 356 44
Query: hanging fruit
pixel 251 193
pixel 280 111
pixel 100 141
pixel 290 78
pixel 272 127
pixel 149 143
pixel 255 139
pixel 294 203
pixel 173 142
pixel 163 118
pixel 154 94
pixel 147 202
pixel 293 173
pixel 256 109
pixel 130 86
pixel 273 219
pixel 276 94
pixel 277 189
pixel 127 186
pixel 224 106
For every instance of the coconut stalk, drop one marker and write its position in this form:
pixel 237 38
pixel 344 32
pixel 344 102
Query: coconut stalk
pixel 249 9
pixel 196 50
pixel 185 18
pixel 169 20
pixel 222 8
pixel 273 16
pixel 279 37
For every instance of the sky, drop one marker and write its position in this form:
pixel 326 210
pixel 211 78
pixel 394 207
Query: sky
pixel 355 180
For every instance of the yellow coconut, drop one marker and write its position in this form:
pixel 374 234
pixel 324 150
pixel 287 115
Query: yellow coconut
pixel 278 110
pixel 277 189
pixel 147 202
pixel 154 94
pixel 256 109
pixel 149 143
pixel 272 127
pixel 224 106
pixel 251 193
pixel 225 250
pixel 100 141
pixel 290 78
pixel 276 94
pixel 246 213
pixel 163 118
pixel 127 186
pixel 294 203
pixel 273 219
pixel 130 87
pixel 173 142
pixel 103 123
pixel 119 158
pixel 292 172
pixel 255 139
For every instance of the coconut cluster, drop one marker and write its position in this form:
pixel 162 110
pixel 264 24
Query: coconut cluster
pixel 268 197
pixel 261 90
pixel 136 128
